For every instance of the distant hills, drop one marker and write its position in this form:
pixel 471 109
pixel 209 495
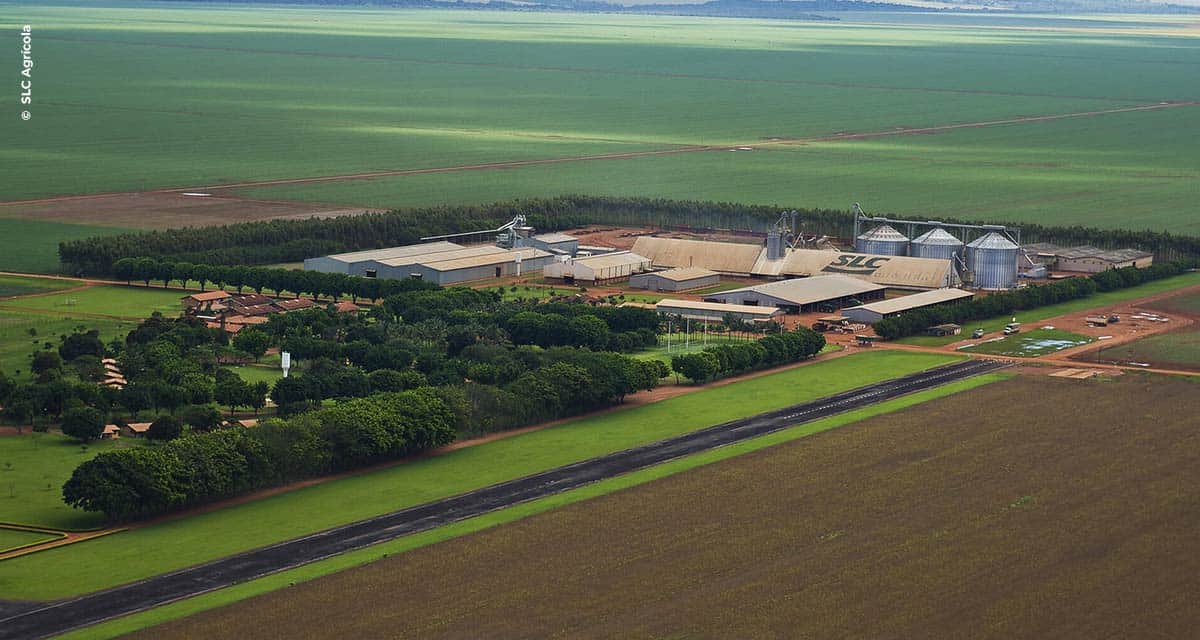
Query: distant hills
pixel 781 9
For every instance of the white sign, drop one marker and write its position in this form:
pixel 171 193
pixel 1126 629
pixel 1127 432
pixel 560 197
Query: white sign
pixel 285 361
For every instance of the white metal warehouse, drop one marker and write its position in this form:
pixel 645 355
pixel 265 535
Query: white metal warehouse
pixel 876 311
pixel 717 311
pixel 678 279
pixel 597 269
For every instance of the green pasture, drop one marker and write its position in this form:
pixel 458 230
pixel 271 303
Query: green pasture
pixel 157 548
pixel 1097 301
pixel 20 286
pixel 151 96
pixel 253 373
pixel 22 333
pixel 356 558
pixel 1030 343
pixel 32 245
pixel 112 301
pixel 33 468
pixel 1181 303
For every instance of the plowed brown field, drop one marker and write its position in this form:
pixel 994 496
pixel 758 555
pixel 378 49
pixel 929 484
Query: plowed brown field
pixel 1033 508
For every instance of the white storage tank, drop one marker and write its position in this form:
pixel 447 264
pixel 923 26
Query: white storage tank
pixel 992 260
pixel 882 240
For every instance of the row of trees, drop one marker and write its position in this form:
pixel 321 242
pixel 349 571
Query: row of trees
pixel 238 277
pixel 731 359
pixel 1007 302
pixel 202 467
pixel 273 241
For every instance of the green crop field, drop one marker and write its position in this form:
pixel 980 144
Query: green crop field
pixel 31 488
pixel 105 300
pixel 32 245
pixel 1030 343
pixel 284 579
pixel 148 96
pixel 1096 301
pixel 169 545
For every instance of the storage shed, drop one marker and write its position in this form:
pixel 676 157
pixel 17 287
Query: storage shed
pixel 717 312
pixel 679 279
pixel 804 295
pixel 598 269
pixel 876 311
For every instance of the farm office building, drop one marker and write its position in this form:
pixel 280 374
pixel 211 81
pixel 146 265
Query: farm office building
pixel 804 295
pixel 439 262
pixel 876 311
pixel 681 279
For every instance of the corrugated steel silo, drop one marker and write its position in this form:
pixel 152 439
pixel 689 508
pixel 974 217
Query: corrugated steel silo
pixel 882 240
pixel 935 243
pixel 992 259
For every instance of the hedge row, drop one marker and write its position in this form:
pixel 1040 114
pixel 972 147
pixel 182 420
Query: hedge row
pixel 730 359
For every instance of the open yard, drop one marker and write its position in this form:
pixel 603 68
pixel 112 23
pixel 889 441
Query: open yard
pixel 20 286
pixel 22 333
pixel 13 538
pixel 1033 316
pixel 1082 526
pixel 1177 349
pixel 1030 343
pixel 165 546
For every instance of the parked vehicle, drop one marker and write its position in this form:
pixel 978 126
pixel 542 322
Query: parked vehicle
pixel 978 333
pixel 1011 328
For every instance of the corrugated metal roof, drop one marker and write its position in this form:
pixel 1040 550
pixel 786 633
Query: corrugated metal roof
pixel 437 256
pixel 992 240
pixel 396 252
pixel 802 291
pixel 724 257
pixel 884 233
pixel 485 260
pixel 915 301
pixel 556 237
pixel 693 305
pixel 892 271
pixel 609 260
pixel 937 236
pixel 682 274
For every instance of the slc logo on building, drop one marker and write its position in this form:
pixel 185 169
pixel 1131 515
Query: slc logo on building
pixel 855 265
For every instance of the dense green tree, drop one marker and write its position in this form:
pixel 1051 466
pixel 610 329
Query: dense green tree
pixel 83 423
pixel 165 428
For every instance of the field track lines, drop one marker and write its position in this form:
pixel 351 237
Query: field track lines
pixel 629 155
pixel 614 72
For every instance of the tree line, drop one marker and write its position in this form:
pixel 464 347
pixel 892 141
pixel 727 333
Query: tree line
pixel 731 359
pixel 203 467
pixel 274 241
pixel 1002 303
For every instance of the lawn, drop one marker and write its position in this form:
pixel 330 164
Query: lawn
pixel 111 301
pixel 22 333
pixel 258 372
pixel 1096 301
pixel 170 545
pixel 531 292
pixel 31 488
pixel 1030 343
pixel 19 286
pixel 12 538
pixel 363 556
pixel 225 94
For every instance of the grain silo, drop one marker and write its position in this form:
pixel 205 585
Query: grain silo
pixel 882 240
pixel 992 261
pixel 936 243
